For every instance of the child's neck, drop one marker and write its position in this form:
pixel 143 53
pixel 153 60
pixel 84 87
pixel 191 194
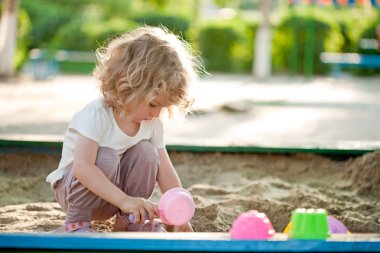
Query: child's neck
pixel 127 125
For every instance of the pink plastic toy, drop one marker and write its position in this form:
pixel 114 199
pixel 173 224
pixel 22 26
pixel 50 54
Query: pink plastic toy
pixel 175 207
pixel 252 225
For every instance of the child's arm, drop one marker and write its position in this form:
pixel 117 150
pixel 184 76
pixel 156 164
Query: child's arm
pixel 167 179
pixel 93 178
pixel 167 175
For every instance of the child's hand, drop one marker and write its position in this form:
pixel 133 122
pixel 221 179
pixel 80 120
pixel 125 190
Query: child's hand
pixel 183 228
pixel 139 207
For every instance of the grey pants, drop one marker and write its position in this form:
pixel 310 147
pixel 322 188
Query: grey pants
pixel 135 174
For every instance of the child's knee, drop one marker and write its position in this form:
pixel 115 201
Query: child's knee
pixel 147 149
pixel 146 154
pixel 107 159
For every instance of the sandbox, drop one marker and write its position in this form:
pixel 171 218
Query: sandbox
pixel 224 182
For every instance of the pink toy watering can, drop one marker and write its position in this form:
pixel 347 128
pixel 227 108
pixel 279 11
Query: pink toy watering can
pixel 175 207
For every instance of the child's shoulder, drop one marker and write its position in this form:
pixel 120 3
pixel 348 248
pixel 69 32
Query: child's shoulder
pixel 95 104
pixel 96 107
pixel 93 120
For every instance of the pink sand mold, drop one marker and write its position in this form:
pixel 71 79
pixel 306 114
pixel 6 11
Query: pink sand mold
pixel 175 207
pixel 252 225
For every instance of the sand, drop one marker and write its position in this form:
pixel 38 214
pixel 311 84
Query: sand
pixel 223 186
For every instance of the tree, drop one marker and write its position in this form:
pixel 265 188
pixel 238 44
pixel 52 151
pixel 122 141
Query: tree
pixel 262 59
pixel 8 33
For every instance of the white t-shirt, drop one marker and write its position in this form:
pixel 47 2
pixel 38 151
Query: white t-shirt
pixel 97 122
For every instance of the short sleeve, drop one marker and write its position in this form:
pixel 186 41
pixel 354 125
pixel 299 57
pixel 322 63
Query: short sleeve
pixel 90 122
pixel 158 138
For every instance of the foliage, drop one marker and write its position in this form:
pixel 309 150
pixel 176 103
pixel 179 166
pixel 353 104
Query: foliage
pixel 176 24
pixel 369 33
pixel 330 33
pixel 356 24
pixel 82 35
pixel 227 46
pixel 353 24
pixel 108 9
pixel 23 41
pixel 249 4
pixel 46 18
pixel 291 41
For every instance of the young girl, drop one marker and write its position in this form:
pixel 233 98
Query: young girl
pixel 113 152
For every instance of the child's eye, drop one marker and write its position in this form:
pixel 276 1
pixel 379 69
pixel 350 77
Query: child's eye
pixel 152 105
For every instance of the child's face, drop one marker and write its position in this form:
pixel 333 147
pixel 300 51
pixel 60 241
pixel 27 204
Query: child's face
pixel 151 110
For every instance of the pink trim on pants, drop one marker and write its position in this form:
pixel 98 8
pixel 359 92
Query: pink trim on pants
pixel 135 174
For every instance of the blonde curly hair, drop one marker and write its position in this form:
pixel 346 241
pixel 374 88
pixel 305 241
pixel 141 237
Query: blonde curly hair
pixel 139 65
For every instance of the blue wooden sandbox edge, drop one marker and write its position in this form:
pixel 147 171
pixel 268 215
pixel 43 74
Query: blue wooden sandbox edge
pixel 110 242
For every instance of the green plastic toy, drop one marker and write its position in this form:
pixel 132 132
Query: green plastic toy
pixel 309 224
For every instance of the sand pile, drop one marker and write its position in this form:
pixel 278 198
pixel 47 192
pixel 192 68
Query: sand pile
pixel 223 186
pixel 364 175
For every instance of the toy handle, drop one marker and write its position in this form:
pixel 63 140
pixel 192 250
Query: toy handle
pixel 131 217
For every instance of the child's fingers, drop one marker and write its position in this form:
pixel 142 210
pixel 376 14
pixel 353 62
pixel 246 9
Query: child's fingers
pixel 142 215
pixel 136 216
pixel 154 207
pixel 151 214
pixel 149 206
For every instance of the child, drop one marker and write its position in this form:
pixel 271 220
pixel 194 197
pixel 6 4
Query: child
pixel 113 152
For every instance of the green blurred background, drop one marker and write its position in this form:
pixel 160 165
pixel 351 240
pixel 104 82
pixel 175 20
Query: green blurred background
pixel 224 39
